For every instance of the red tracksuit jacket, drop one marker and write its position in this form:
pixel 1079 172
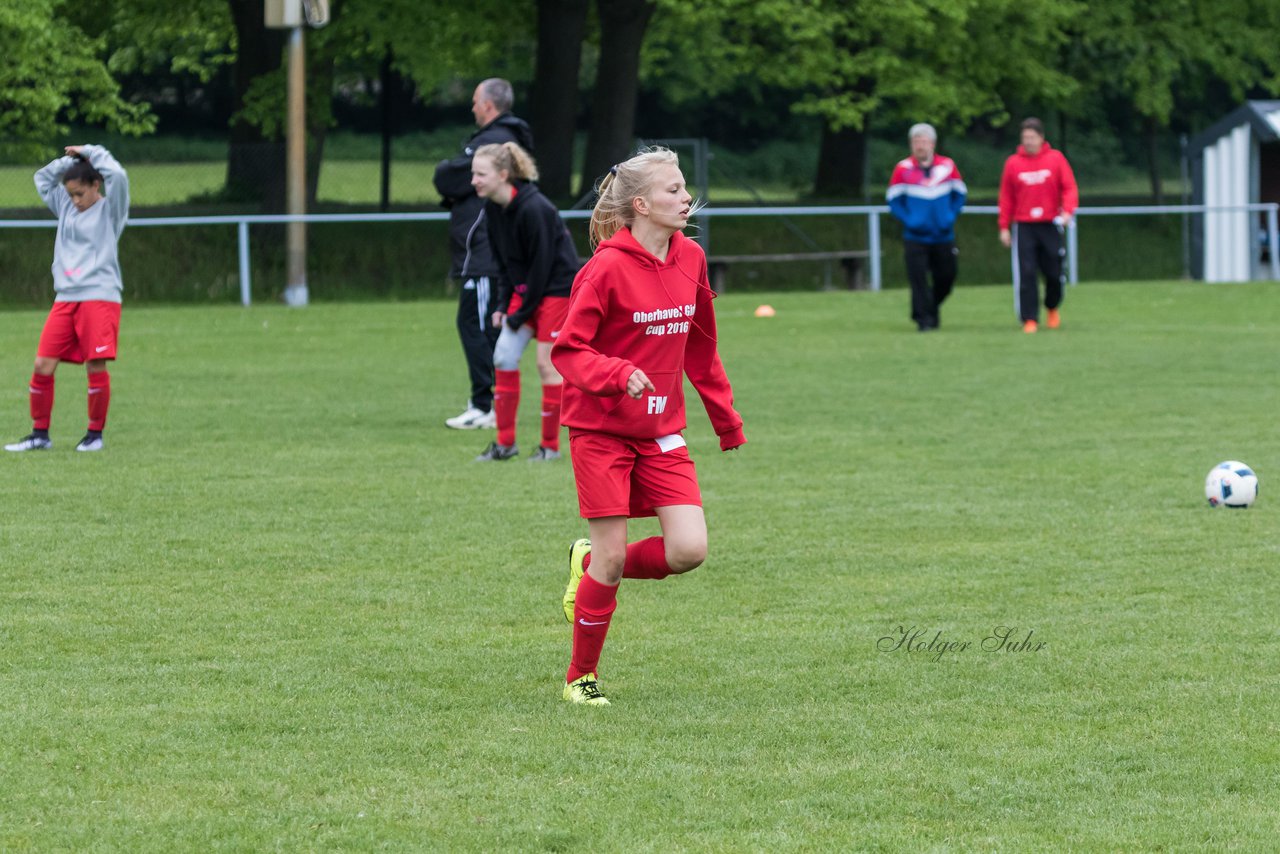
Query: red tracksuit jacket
pixel 1037 189
pixel 629 310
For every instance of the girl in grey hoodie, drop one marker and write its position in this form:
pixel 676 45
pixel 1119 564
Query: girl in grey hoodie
pixel 88 191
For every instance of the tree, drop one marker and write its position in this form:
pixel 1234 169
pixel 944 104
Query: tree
pixel 613 106
pixel 52 72
pixel 554 104
pixel 1154 57
pixel 255 157
pixel 951 62
pixel 429 43
pixel 199 38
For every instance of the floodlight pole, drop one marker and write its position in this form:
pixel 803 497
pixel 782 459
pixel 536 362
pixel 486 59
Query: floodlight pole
pixel 295 292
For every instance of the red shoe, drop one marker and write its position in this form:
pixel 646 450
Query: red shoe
pixel 1055 319
pixel 1029 326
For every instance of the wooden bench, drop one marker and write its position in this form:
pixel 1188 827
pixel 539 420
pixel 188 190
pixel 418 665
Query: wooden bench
pixel 854 263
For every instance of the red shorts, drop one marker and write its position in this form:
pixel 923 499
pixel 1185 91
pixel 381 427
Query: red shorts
pixel 548 318
pixel 80 331
pixel 617 476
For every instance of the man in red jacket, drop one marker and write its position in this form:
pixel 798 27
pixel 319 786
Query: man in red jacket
pixel 1037 198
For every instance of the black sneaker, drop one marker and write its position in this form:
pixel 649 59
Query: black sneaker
pixel 496 452
pixel 543 455
pixel 32 442
pixel 92 441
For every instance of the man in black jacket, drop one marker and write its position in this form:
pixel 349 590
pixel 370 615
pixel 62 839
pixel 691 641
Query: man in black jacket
pixel 474 267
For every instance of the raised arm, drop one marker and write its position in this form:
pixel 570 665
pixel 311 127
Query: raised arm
pixel 49 184
pixel 115 182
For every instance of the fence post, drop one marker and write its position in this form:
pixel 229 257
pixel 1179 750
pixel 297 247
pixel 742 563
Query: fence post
pixel 1073 251
pixel 242 240
pixel 873 247
pixel 702 175
pixel 1273 241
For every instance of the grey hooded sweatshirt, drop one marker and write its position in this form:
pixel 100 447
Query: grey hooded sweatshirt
pixel 86 265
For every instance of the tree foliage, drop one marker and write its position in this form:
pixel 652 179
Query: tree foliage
pixel 195 37
pixel 53 72
pixel 1157 55
pixel 432 44
pixel 951 61
pixel 850 64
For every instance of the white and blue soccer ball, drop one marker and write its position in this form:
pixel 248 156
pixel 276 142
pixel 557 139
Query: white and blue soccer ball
pixel 1231 484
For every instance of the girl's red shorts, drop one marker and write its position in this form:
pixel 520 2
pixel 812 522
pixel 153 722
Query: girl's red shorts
pixel 548 318
pixel 618 476
pixel 80 331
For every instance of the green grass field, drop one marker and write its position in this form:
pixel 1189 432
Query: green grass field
pixel 285 611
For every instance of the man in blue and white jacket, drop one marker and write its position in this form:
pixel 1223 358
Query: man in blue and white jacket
pixel 926 193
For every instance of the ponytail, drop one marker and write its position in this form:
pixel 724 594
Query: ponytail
pixel 510 158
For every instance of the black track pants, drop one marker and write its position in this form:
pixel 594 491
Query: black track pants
pixel 478 335
pixel 923 260
pixel 1039 249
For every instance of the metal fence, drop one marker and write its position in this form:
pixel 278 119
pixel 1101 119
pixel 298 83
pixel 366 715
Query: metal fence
pixel 873 214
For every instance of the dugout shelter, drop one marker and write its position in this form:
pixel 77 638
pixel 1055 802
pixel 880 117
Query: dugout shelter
pixel 1236 162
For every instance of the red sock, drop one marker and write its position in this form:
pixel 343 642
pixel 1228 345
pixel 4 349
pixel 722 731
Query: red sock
pixel 41 400
pixel 592 611
pixel 99 399
pixel 506 399
pixel 646 559
pixel 551 416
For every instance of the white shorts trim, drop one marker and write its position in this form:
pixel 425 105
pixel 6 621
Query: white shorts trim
pixel 668 444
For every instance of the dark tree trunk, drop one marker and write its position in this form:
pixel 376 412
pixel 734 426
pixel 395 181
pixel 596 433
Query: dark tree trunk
pixel 1153 160
pixel 255 164
pixel 841 164
pixel 320 69
pixel 554 101
pixel 613 107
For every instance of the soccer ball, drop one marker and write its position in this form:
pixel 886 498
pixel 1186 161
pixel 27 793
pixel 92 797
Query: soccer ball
pixel 1231 484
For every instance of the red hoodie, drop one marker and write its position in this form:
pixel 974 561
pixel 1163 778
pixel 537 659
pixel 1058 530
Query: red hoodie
pixel 1037 189
pixel 629 310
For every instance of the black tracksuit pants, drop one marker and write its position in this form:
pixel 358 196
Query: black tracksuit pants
pixel 1039 249
pixel 475 306
pixel 923 260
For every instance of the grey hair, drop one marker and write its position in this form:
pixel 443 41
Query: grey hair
pixel 922 129
pixel 499 92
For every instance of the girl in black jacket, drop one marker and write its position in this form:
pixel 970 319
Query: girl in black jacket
pixel 538 261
